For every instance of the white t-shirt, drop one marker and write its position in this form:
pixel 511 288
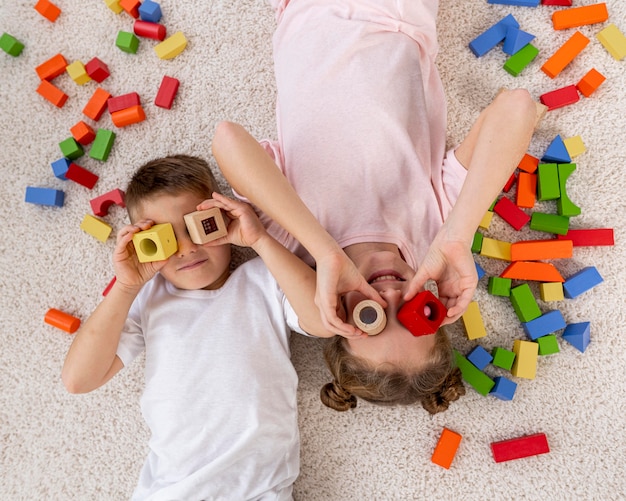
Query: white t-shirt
pixel 220 395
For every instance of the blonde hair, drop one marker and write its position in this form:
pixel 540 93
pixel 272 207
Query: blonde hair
pixel 434 386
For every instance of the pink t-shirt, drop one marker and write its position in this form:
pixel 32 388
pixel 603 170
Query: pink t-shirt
pixel 362 121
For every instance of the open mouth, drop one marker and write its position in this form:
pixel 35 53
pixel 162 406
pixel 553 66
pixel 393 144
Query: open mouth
pixel 385 276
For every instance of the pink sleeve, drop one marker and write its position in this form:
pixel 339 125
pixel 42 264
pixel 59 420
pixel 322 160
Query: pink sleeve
pixel 452 178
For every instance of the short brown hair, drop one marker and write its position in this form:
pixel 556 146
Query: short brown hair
pixel 434 386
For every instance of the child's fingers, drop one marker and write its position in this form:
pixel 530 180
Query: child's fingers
pixel 416 284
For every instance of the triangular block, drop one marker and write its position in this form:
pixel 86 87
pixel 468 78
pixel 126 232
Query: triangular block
pixel 515 40
pixel 578 335
pixel 556 152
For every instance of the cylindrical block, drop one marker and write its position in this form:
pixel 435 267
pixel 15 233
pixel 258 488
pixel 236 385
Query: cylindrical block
pixel 62 320
pixel 370 317
pixel 149 30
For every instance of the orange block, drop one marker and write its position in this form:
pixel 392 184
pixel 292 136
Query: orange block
pixel 565 54
pixel 83 133
pixel 131 7
pixel 62 320
pixel 526 190
pixel 535 250
pixel 97 104
pixel 53 94
pixel 48 10
pixel 446 448
pixel 51 68
pixel 128 116
pixel 528 163
pixel 579 16
pixel 590 82
pixel 532 270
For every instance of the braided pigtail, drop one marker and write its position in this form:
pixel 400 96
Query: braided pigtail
pixel 450 390
pixel 333 395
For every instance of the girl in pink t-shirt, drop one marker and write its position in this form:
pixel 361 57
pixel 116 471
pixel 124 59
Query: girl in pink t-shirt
pixel 365 189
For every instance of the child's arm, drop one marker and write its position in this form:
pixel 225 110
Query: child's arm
pixel 91 360
pixel 491 152
pixel 250 171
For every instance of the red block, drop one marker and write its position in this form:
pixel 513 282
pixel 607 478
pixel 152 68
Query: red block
pixel 100 205
pixel 565 3
pixel 167 92
pixel 589 237
pixel 81 175
pixel 509 184
pixel 147 29
pixel 521 447
pixel 423 314
pixel 97 70
pixel 560 97
pixel 511 213
pixel 123 102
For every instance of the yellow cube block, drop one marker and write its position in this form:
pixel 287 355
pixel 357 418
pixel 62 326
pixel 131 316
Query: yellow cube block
pixel 171 46
pixel 114 5
pixel 485 222
pixel 77 71
pixel 551 291
pixel 496 249
pixel 96 228
pixel 574 146
pixel 155 244
pixel 473 322
pixel 525 364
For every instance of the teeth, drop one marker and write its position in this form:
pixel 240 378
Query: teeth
pixel 384 277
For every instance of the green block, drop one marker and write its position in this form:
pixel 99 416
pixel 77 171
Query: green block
pixel 551 223
pixel 499 286
pixel 127 41
pixel 477 243
pixel 502 358
pixel 524 303
pixel 548 187
pixel 11 45
pixel 564 206
pixel 548 344
pixel 102 144
pixel 71 148
pixel 473 376
pixel 522 58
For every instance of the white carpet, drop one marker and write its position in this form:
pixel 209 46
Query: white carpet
pixel 56 446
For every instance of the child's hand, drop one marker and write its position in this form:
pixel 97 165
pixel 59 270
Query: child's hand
pixel 129 272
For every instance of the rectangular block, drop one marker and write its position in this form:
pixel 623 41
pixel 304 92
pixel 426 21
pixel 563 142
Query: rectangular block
pixel 496 249
pixel 102 144
pixel 446 448
pixel 526 353
pixel 550 223
pixel 44 196
pixel 613 41
pixel 515 64
pixel 167 92
pixel 516 448
pixel 524 303
pixel 548 182
pixel 565 54
pixel 579 16
pixel 541 250
pixel 560 97
pixel 589 237
pixel 491 37
pixel 476 378
pixel 582 281
pixel 511 213
pixel 526 190
pixel 473 322
pixel 96 228
pixel 547 323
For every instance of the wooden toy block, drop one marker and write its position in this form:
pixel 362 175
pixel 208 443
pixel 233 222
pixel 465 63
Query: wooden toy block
pixel 167 92
pixel 485 222
pixel 150 11
pixel 479 271
pixel 476 378
pixel 128 116
pixel 532 271
pixel 502 358
pixel 473 322
pixel 83 133
pixel 114 5
pixel 123 102
pixel 370 317
pixel 100 205
pixel 102 145
pixel 11 45
pixel 560 97
pixel 528 163
pixel 52 93
pixel 155 244
pixel 446 448
pixel 423 314
pixel 95 227
pixel 44 196
pixel 499 286
pixel 127 42
pixel 206 225
pixel 565 54
pixel 589 237
pixel 108 288
pixel 524 303
pixel 81 176
pixel 548 182
pixel 504 388
pixel 575 146
pixel 590 82
pixel 579 16
pixel 581 281
pixel 487 40
pixel 548 345
pixel 613 41
pixel 541 250
pixel 131 7
pixel 526 194
pixel 147 29
pixel 511 213
pixel 551 291
pixel 97 70
pixel 578 335
pixel 516 40
pixel 496 249
pixel 71 148
pixel 556 152
pixel 519 3
pixel 547 323
pixel 59 168
pixel 525 364
pixel 97 104
pixel 52 68
pixel 477 242
pixel 78 73
pixel 479 357
pixel 172 46
pixel 564 206
pixel 565 3
pixel 509 184
pixel 522 447
pixel 550 223
pixel 48 10
pixel 515 64
pixel 62 320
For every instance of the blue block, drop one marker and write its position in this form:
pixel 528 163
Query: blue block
pixel 504 389
pixel 547 323
pixel 479 357
pixel 515 40
pixel 59 167
pixel 150 11
pixel 519 3
pixel 582 281
pixel 487 40
pixel 578 335
pixel 44 196
pixel 556 153
pixel 479 270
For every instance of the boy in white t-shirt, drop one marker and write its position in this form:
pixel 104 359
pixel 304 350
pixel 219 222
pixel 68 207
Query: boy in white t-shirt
pixel 220 394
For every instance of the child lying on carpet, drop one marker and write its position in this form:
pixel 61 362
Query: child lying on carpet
pixel 220 394
pixel 362 129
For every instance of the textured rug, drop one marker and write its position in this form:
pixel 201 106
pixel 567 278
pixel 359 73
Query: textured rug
pixel 57 446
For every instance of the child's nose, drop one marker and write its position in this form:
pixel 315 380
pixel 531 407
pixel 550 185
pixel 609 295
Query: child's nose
pixel 185 246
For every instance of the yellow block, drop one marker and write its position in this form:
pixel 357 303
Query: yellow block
pixel 172 46
pixel 155 244
pixel 473 322
pixel 486 220
pixel 525 364
pixel 114 5
pixel 613 40
pixel 77 71
pixel 574 146
pixel 496 249
pixel 551 291
pixel 96 228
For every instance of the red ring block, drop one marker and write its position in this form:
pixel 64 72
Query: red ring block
pixel 414 318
